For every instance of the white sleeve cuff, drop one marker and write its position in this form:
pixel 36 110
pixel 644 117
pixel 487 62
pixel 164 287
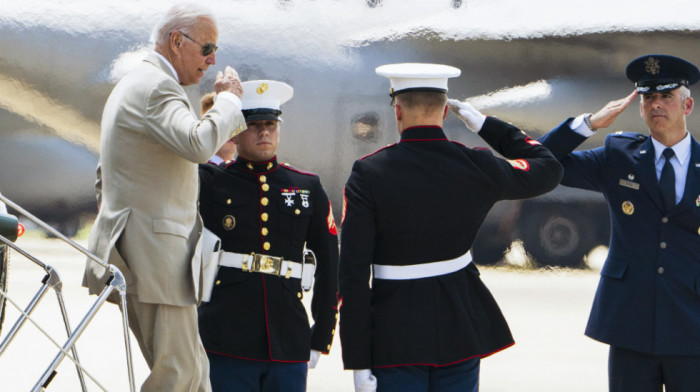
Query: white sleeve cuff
pixel 231 97
pixel 579 126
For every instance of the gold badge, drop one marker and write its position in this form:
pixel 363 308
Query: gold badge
pixel 229 222
pixel 628 208
pixel 262 88
pixel 652 66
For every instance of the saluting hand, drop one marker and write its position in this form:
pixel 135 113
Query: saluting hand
pixel 472 117
pixel 607 115
pixel 228 81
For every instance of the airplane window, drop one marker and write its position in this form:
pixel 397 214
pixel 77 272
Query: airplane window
pixel 365 126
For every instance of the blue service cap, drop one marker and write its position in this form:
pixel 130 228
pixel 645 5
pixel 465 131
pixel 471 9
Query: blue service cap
pixel 659 72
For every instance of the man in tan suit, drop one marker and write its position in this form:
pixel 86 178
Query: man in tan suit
pixel 148 225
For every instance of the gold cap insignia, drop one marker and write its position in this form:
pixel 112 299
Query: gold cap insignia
pixel 262 88
pixel 652 66
pixel 229 222
pixel 628 208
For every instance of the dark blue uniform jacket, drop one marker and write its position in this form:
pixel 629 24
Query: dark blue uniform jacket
pixel 648 298
pixel 418 201
pixel 269 209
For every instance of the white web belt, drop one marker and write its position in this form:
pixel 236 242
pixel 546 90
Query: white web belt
pixel 261 263
pixel 419 271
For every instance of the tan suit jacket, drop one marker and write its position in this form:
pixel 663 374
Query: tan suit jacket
pixel 148 224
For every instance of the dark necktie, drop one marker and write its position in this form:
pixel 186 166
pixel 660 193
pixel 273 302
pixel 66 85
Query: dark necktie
pixel 667 181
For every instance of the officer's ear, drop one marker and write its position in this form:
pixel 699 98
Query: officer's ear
pixel 689 103
pixel 397 111
pixel 444 112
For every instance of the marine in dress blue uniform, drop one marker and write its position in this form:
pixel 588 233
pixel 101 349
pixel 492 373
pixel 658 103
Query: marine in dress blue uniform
pixel 647 306
pixel 411 213
pixel 255 327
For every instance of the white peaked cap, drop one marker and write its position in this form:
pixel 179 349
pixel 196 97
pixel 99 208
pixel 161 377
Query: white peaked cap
pixel 417 76
pixel 265 94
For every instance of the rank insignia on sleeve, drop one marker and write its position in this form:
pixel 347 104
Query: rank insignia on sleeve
pixel 331 222
pixel 628 207
pixel 519 164
pixel 532 142
pixel 345 207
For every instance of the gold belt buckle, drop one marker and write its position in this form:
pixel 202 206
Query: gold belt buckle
pixel 266 264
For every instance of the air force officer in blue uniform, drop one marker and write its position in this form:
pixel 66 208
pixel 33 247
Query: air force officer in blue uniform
pixel 647 307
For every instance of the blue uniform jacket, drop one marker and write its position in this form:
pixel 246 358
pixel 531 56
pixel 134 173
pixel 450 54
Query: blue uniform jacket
pixel 273 209
pixel 418 201
pixel 648 298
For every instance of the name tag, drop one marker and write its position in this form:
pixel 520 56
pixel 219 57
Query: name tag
pixel 629 184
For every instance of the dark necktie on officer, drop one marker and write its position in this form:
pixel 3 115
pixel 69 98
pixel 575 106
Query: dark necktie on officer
pixel 667 181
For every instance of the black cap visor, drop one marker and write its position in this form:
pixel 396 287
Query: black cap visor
pixel 261 114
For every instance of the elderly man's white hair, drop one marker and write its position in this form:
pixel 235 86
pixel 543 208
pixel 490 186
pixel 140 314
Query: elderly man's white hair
pixel 180 17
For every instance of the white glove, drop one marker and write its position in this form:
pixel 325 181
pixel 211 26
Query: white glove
pixel 364 381
pixel 472 117
pixel 313 359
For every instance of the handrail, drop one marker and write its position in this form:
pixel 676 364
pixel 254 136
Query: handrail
pixel 115 281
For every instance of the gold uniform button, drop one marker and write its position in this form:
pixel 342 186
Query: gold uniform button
pixel 266 246
pixel 336 316
pixel 262 179
pixel 265 187
pixel 218 282
pixel 264 231
pixel 333 332
pixel 228 201
pixel 264 216
pixel 297 212
pixel 264 201
pixel 329 347
pixel 298 295
pixel 269 166
pixel 250 166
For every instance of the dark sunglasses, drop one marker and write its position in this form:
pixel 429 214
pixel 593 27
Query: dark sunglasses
pixel 206 49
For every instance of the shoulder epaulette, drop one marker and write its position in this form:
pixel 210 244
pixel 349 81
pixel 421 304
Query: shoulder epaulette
pixel 381 149
pixel 288 166
pixel 628 135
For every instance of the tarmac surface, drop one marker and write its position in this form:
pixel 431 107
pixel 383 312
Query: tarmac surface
pixel 546 309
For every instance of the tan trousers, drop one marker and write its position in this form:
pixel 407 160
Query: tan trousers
pixel 169 340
